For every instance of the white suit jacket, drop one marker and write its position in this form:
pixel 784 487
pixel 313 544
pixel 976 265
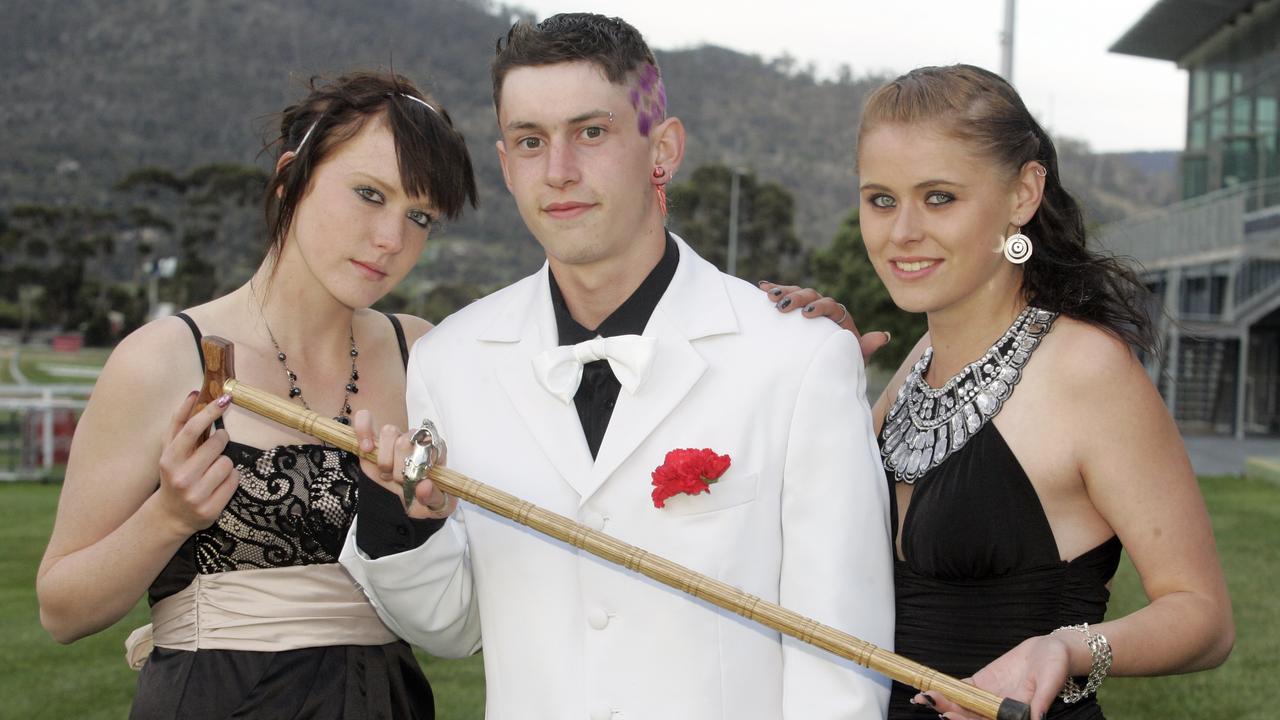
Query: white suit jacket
pixel 800 517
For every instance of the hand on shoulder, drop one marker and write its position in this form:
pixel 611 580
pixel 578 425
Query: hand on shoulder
pixel 813 305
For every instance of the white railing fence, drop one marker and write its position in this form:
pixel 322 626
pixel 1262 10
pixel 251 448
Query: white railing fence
pixel 36 425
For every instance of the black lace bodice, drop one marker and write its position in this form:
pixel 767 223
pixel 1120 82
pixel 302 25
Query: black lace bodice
pixel 294 506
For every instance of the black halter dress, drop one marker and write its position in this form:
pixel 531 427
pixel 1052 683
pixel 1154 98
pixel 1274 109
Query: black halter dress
pixel 982 571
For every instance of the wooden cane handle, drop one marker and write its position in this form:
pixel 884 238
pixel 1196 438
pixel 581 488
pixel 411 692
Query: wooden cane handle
pixel 219 366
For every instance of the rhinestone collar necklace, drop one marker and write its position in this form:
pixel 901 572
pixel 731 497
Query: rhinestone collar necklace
pixel 925 426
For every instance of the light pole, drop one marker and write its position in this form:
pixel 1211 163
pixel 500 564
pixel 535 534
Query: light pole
pixel 734 190
pixel 1006 43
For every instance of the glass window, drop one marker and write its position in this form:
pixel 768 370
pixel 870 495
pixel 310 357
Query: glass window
pixel 1266 124
pixel 1199 90
pixel 1239 161
pixel 1196 134
pixel 1242 115
pixel 1195 175
pixel 1221 84
pixel 1217 122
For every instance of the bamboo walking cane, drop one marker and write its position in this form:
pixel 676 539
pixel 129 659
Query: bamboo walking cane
pixel 220 379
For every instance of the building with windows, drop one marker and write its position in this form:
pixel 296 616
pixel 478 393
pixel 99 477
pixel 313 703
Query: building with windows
pixel 1214 258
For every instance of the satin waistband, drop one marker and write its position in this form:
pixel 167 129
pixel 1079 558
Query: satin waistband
pixel 267 610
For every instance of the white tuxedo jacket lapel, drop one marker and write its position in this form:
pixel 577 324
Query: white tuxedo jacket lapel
pixel 694 306
pixel 527 327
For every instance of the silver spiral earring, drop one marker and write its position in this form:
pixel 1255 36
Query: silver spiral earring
pixel 1017 248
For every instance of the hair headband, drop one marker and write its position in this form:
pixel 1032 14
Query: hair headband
pixel 307 134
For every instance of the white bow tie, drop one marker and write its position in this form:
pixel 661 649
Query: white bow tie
pixel 559 369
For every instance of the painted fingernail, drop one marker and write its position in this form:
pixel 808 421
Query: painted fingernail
pixel 192 394
pixel 784 304
pixel 762 283
pixel 928 700
pixel 807 308
pixel 223 401
pixel 887 337
pixel 775 292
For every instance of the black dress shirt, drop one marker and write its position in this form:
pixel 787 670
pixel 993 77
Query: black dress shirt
pixel 598 391
pixel 384 529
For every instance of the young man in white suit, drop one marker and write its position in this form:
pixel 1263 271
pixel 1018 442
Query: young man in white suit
pixel 799 517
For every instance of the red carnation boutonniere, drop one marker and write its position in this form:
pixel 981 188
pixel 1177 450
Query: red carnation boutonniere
pixel 687 471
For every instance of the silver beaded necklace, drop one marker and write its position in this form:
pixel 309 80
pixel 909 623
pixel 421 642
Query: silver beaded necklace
pixel 925 426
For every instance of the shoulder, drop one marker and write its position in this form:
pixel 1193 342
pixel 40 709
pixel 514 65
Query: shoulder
pixel 1096 383
pixel 148 353
pixel 476 315
pixel 148 373
pixel 505 308
pixel 1082 358
pixel 414 327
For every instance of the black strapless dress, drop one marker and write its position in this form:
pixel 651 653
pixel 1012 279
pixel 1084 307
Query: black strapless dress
pixel 982 571
pixel 293 508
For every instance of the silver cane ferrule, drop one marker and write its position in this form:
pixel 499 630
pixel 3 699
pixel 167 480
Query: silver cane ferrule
pixel 427 449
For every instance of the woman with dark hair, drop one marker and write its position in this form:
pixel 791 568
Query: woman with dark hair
pixel 235 538
pixel 1022 439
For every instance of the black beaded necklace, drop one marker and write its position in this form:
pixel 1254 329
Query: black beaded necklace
pixel 344 415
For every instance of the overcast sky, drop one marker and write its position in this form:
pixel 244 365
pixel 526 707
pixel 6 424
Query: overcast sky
pixel 1061 63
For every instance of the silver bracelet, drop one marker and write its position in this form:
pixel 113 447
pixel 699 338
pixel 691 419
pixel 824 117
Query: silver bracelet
pixel 1100 649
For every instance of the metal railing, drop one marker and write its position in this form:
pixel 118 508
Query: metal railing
pixel 1197 230
pixel 31 439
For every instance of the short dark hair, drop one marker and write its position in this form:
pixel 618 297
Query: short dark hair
pixel 431 153
pixel 979 108
pixel 612 44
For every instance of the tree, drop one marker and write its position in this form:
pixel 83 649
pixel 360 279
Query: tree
pixel 842 271
pixel 209 219
pixel 767 245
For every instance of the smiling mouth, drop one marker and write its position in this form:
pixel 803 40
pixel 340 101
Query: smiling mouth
pixel 913 265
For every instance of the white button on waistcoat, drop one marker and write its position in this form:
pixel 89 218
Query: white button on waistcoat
pixel 597 618
pixel 593 519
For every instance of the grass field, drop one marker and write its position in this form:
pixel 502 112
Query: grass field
pixel 90 680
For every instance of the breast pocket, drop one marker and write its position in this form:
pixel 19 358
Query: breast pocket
pixel 730 491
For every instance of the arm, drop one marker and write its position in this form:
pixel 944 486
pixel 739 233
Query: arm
pixel 1134 474
pixel 426 593
pixel 836 563
pixel 115 529
pixel 1138 477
